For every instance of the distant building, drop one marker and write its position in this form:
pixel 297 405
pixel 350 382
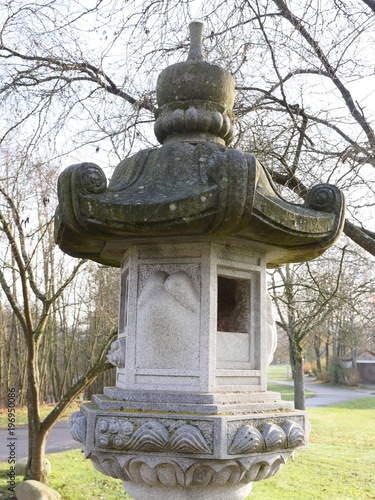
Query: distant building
pixel 365 365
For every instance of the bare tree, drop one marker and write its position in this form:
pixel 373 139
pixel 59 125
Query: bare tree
pixel 303 300
pixel 32 288
pixel 350 322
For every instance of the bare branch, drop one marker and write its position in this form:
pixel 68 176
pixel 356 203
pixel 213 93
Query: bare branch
pixel 371 4
pixel 357 115
pixel 94 74
pixel 363 238
pixel 100 366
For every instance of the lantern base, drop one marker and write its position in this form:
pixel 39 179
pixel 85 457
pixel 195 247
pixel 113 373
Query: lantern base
pixel 146 492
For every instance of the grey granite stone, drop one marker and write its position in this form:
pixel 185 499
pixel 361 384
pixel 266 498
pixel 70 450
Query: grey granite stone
pixel 34 490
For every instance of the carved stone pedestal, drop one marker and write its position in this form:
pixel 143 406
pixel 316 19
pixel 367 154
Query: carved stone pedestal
pixel 190 416
pixel 165 455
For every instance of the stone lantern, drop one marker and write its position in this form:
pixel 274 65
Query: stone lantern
pixel 193 226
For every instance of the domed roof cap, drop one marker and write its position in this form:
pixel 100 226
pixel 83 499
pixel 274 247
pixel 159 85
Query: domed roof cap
pixel 195 98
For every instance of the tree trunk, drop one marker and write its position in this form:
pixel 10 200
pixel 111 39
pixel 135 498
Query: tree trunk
pixel 327 355
pixel 296 362
pixel 35 464
pixel 318 362
pixel 335 362
pixel 317 342
pixel 37 437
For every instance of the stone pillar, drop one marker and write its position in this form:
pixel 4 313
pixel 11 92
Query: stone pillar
pixel 193 319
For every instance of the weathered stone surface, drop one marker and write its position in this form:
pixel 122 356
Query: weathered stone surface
pixel 184 189
pixel 178 314
pixel 34 490
pixel 144 469
pixel 192 186
pixel 116 354
pixel 77 426
pixel 217 436
pixel 195 99
pixel 168 322
pixel 235 403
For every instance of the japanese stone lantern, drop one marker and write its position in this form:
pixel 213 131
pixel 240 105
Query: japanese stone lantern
pixel 193 225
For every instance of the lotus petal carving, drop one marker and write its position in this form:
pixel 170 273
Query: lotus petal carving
pixel 169 475
pixel 246 440
pixel 151 436
pixel 109 465
pixel 295 435
pixel 265 468
pixel 169 472
pixel 273 435
pixel 188 439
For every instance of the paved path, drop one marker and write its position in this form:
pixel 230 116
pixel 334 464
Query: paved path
pixel 61 440
pixel 326 395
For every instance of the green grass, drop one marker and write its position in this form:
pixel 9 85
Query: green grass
pixel 338 464
pixel 286 391
pixel 75 478
pixel 279 372
pixel 68 480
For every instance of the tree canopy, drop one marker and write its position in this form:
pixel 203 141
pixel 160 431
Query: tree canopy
pixel 78 84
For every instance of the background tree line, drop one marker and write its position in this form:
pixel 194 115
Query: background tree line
pixel 58 314
pixel 78 84
pixel 325 311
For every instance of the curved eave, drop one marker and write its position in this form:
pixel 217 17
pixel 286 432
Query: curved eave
pixel 286 232
pixel 99 223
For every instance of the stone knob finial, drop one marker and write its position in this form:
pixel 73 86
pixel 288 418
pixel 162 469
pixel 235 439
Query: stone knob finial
pixel 195 98
pixel 196 46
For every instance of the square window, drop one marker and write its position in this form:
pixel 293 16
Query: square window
pixel 233 305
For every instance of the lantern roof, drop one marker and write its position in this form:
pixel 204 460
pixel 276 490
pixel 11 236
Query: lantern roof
pixel 193 185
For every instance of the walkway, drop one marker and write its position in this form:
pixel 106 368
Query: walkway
pixel 326 395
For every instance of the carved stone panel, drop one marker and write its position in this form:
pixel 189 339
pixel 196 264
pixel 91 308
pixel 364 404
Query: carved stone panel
pixel 168 318
pixel 154 435
pixel 167 471
pixel 260 436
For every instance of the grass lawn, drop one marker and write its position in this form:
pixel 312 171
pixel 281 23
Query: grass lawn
pixel 339 463
pixel 279 372
pixel 286 391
